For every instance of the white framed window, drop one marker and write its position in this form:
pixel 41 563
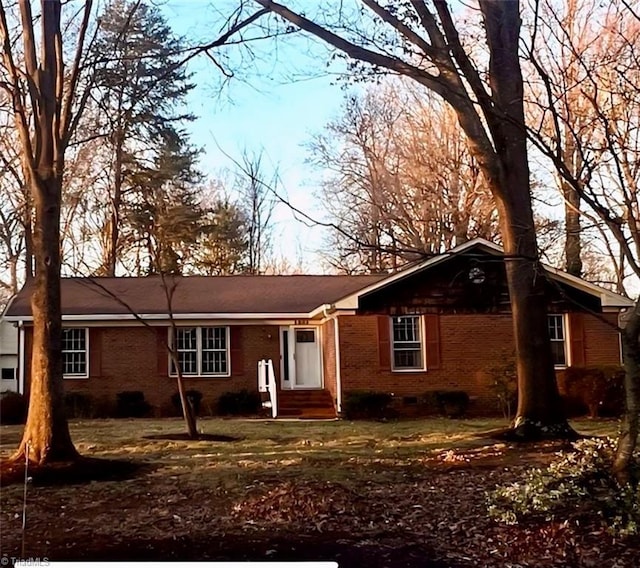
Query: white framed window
pixel 75 349
pixel 202 351
pixel 558 337
pixel 407 343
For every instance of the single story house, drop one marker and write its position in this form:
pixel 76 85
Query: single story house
pixel 438 324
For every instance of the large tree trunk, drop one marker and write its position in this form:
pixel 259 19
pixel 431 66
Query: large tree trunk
pixel 539 409
pixel 539 414
pixel 631 424
pixel 46 435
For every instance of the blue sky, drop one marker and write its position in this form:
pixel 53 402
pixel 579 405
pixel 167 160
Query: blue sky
pixel 275 104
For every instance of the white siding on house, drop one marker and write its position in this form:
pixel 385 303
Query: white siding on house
pixel 8 356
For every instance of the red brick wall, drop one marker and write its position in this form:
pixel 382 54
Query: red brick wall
pixel 470 345
pixel 129 361
pixel 329 358
pixel 602 344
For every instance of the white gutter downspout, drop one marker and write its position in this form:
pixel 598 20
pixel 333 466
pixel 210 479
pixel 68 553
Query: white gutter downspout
pixel 336 329
pixel 328 311
pixel 22 359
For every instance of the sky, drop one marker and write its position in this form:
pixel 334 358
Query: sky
pixel 277 101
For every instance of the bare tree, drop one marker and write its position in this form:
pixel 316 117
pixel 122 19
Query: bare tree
pixel 606 136
pixel 401 181
pixel 420 40
pixel 257 202
pixel 45 108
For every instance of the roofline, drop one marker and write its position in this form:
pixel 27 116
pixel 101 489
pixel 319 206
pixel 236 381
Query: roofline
pixel 178 317
pixel 607 298
pixel 6 308
pixel 348 301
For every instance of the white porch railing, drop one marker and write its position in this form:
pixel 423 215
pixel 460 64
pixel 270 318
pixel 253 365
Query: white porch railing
pixel 267 383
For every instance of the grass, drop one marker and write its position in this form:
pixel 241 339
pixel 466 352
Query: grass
pixel 263 480
pixel 309 450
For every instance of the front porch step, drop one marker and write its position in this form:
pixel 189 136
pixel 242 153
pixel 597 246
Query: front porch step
pixel 306 404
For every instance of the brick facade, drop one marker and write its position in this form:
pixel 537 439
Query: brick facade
pixel 130 359
pixel 470 346
pixel 329 358
pixel 466 348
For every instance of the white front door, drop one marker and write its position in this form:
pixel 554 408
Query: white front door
pixel 301 359
pixel 307 357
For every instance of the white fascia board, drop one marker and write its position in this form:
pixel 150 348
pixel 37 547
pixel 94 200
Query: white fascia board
pixel 175 317
pixel 608 299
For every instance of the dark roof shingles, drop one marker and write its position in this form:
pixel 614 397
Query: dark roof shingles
pixel 198 294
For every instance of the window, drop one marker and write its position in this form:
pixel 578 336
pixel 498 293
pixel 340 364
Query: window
pixel 305 336
pixel 202 351
pixel 558 337
pixel 8 374
pixel 74 352
pixel 407 343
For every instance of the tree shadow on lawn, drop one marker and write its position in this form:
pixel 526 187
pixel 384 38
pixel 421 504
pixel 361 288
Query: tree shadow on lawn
pixel 82 470
pixel 184 437
pixel 346 549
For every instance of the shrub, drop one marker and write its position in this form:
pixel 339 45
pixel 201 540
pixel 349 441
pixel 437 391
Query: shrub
pixel 131 404
pixel 453 404
pixel 367 405
pixel 193 396
pixel 240 403
pixel 601 389
pixel 78 405
pixel 504 384
pixel 13 408
pixel 579 481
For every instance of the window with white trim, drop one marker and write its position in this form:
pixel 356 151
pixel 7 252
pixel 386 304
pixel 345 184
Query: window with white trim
pixel 407 343
pixel 74 352
pixel 202 351
pixel 558 337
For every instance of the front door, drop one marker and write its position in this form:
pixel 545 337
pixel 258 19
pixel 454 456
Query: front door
pixel 302 364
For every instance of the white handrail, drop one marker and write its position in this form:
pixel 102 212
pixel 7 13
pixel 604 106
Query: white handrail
pixel 267 383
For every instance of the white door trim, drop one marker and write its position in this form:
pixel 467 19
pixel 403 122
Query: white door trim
pixel 288 364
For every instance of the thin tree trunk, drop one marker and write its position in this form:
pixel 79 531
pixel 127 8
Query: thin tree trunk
pixel 573 244
pixel 113 223
pixel 628 438
pixel 28 239
pixel 188 412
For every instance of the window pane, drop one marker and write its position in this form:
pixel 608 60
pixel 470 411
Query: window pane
pixel 214 362
pixel 557 337
pixel 305 336
pixel 74 351
pixel 558 353
pixel 186 339
pixel 8 374
pixel 214 351
pixel 407 343
pixel 188 362
pixel 406 329
pixel 407 359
